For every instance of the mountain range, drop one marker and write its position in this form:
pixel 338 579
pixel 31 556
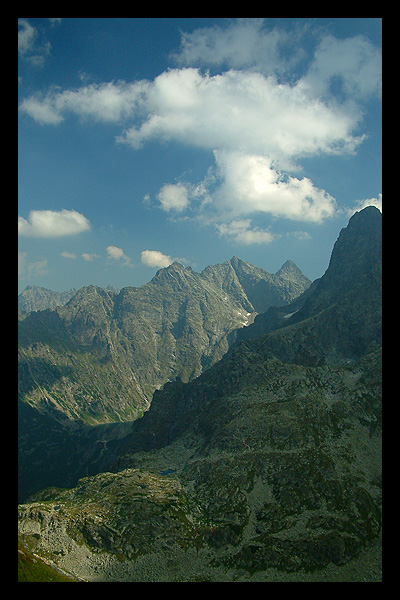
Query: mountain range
pixel 265 466
pixel 100 357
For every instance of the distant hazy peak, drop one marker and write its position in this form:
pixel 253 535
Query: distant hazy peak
pixel 35 297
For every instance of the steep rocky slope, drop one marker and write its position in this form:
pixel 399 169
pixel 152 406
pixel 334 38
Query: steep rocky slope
pixel 348 296
pixel 267 467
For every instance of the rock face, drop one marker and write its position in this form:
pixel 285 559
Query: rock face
pixel 267 467
pixel 262 290
pixel 340 313
pixel 100 357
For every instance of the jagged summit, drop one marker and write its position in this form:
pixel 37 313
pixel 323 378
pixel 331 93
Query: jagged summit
pixel 175 268
pixel 287 267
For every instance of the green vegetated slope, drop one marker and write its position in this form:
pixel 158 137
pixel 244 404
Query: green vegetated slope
pixel 33 569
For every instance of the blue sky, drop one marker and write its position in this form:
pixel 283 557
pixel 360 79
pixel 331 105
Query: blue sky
pixel 144 141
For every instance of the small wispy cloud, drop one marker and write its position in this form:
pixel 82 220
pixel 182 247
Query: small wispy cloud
pixel 242 232
pixel 31 46
pixel 85 255
pixel 26 37
pixel 244 44
pixel 28 268
pixel 89 257
pixel 117 254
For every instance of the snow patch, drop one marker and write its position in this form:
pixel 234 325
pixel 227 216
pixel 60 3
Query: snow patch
pixel 291 314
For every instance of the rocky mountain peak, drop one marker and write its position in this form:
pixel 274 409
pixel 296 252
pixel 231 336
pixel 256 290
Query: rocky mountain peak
pixel 358 244
pixel 236 262
pixel 288 268
pixel 355 266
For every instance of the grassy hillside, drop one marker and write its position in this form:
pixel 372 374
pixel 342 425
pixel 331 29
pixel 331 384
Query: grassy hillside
pixel 31 568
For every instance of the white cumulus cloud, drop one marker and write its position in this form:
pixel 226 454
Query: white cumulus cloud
pixel 155 258
pixel 241 110
pixel 236 110
pixel 257 118
pixel 51 224
pixel 250 185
